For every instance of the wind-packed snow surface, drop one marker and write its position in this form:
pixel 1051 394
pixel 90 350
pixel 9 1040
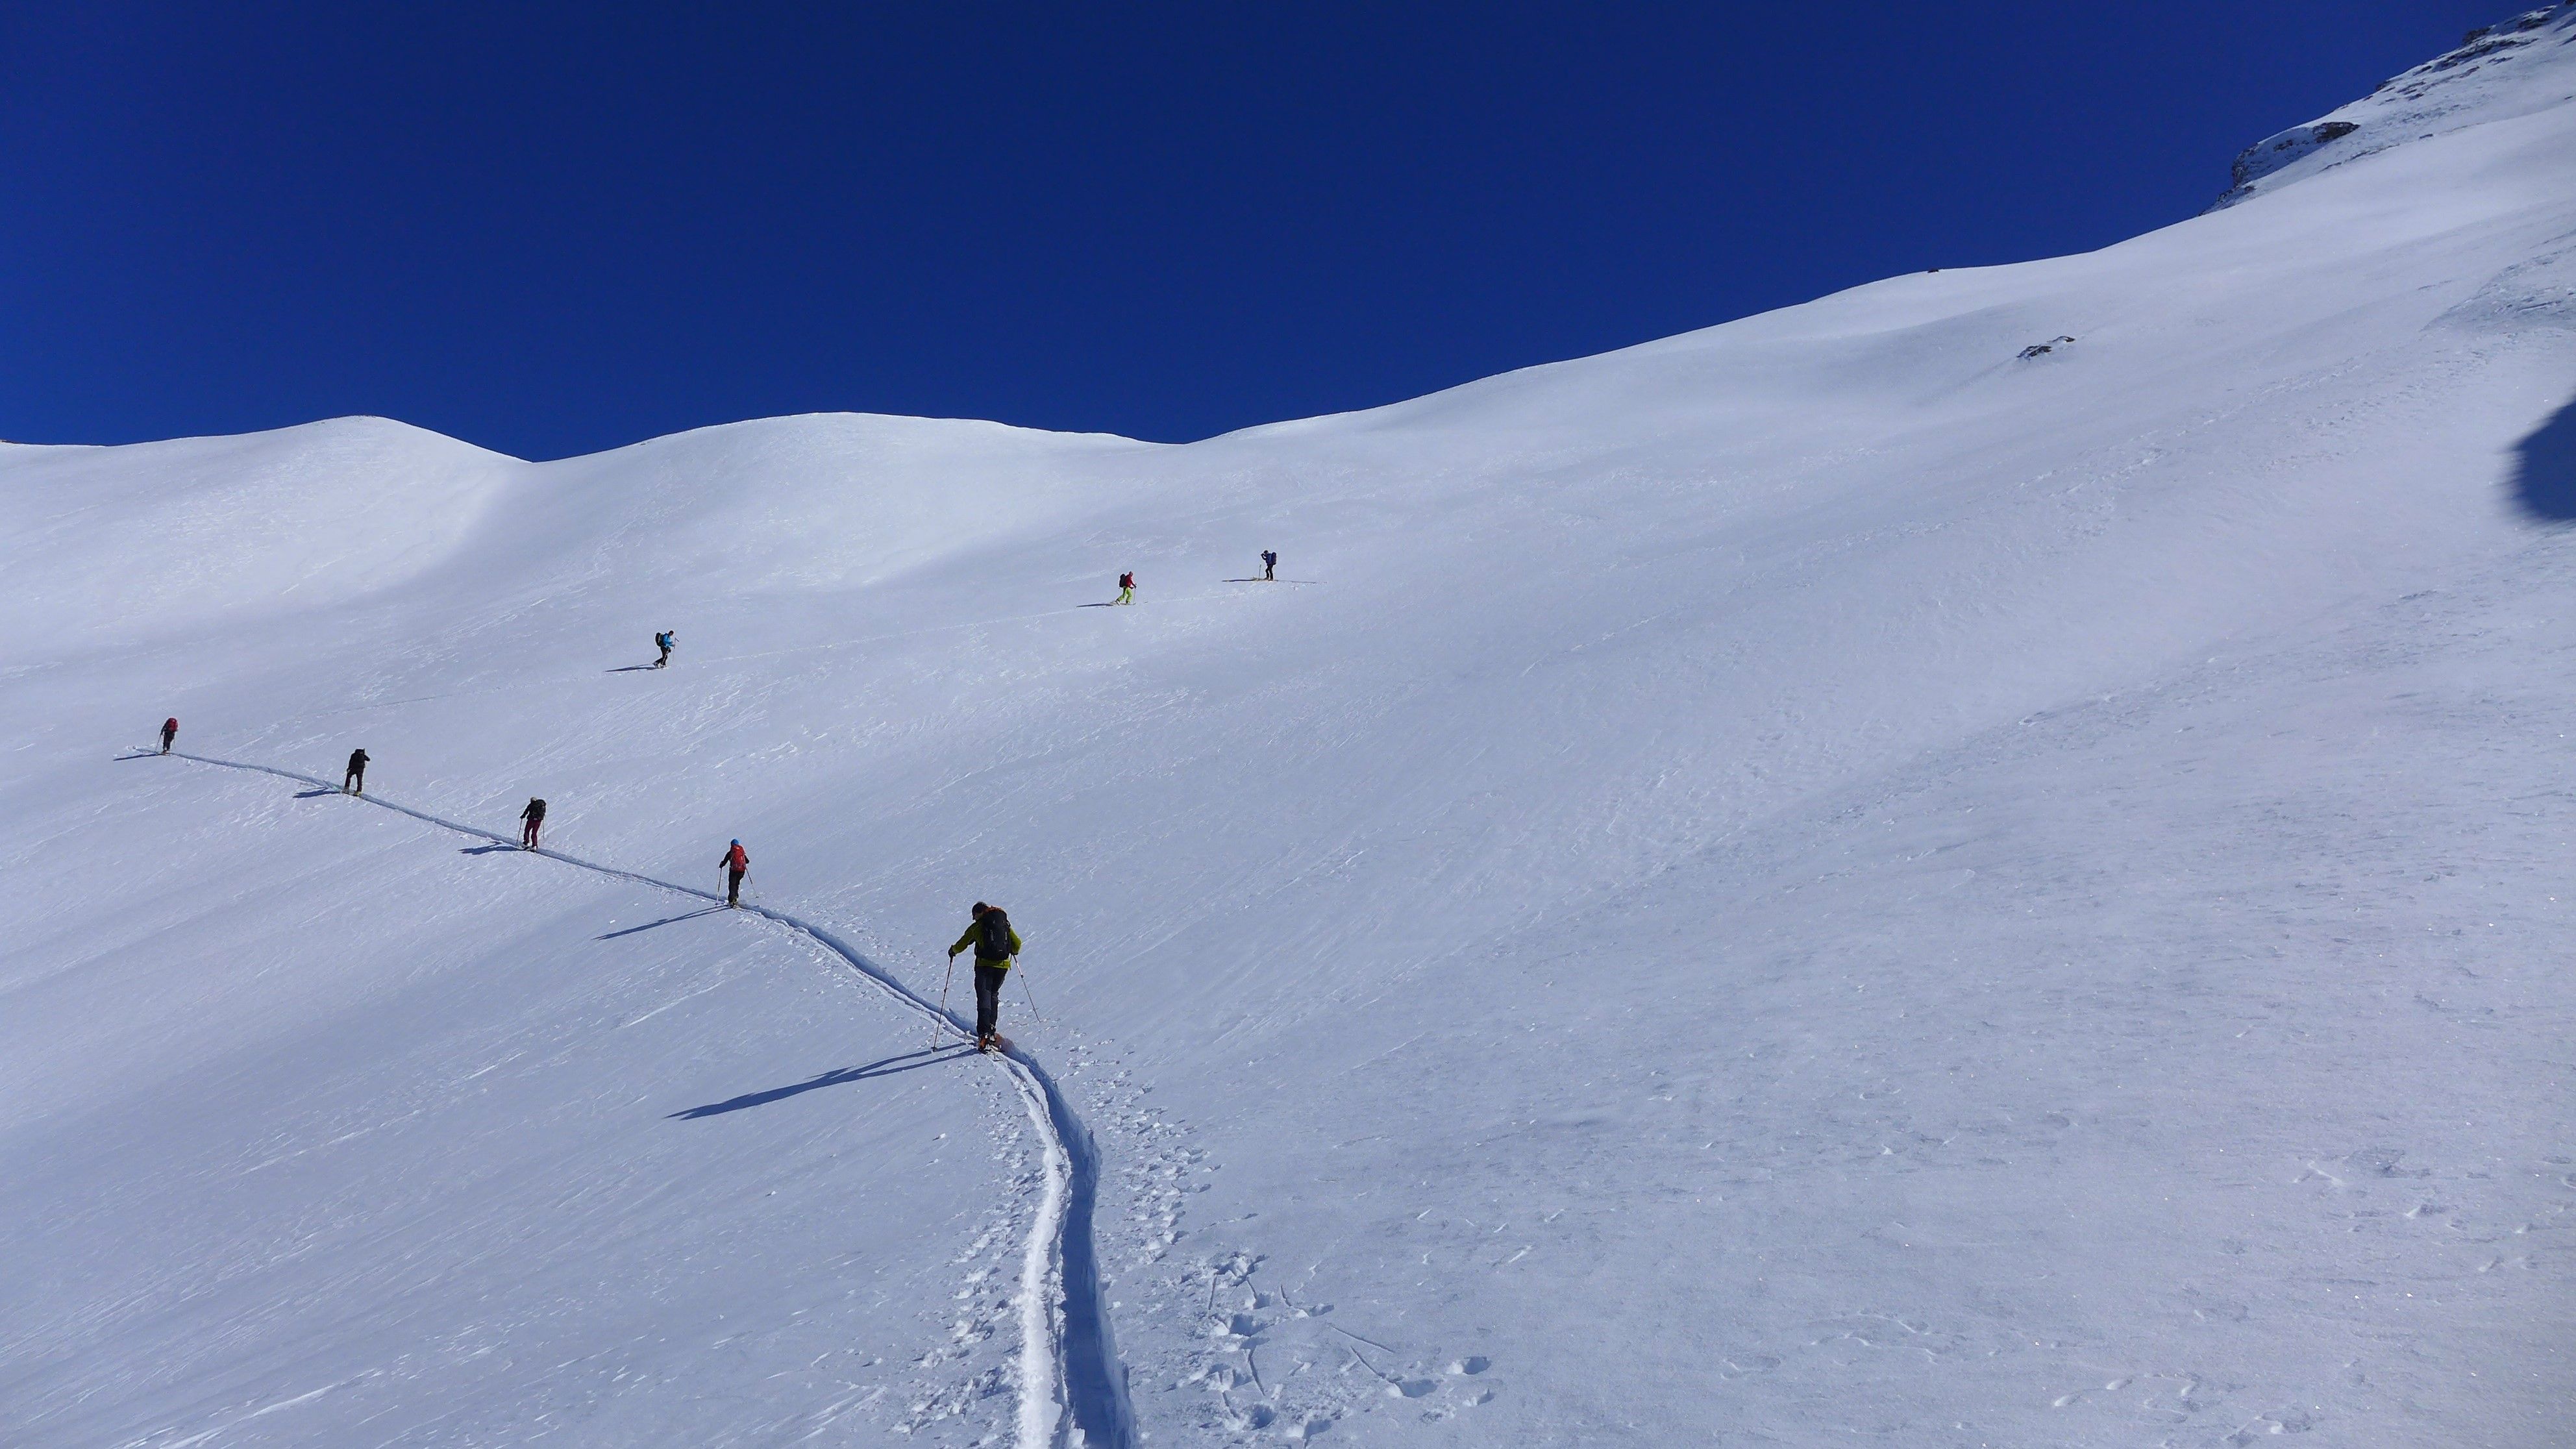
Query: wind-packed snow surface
pixel 1819 880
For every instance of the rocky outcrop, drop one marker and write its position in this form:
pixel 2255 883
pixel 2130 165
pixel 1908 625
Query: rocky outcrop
pixel 2274 152
pixel 2404 107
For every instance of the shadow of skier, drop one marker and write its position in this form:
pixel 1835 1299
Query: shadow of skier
pixel 838 1077
pixel 666 920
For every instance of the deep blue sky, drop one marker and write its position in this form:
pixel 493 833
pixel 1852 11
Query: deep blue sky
pixel 550 229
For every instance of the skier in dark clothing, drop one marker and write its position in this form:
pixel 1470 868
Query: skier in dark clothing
pixel 735 863
pixel 169 732
pixel 1127 588
pixel 1269 565
pixel 663 641
pixel 355 781
pixel 530 819
pixel 996 947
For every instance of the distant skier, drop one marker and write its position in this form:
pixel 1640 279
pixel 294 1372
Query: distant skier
pixel 1127 588
pixel 355 782
pixel 735 862
pixel 996 947
pixel 169 732
pixel 529 820
pixel 1269 566
pixel 663 642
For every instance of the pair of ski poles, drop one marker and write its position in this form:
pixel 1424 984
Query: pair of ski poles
pixel 944 1020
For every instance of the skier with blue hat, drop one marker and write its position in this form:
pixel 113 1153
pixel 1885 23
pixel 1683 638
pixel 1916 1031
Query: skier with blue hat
pixel 735 862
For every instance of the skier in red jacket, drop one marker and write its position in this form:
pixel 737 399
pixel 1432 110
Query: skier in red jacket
pixel 736 861
pixel 169 732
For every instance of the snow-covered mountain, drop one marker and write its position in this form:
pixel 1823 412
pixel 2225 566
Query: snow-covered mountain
pixel 1836 876
pixel 2498 72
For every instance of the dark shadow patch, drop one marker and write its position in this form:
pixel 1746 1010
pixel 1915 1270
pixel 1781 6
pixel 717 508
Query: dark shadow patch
pixel 486 849
pixel 666 920
pixel 633 668
pixel 840 1077
pixel 141 755
pixel 318 792
pixel 2544 475
pixel 1104 604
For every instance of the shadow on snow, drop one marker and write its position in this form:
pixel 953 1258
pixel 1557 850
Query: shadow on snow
pixel 839 1076
pixel 648 925
pixel 2544 477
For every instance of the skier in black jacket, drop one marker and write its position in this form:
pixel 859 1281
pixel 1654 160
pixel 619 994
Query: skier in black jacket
pixel 531 818
pixel 355 781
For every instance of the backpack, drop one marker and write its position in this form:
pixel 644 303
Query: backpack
pixel 995 943
pixel 536 810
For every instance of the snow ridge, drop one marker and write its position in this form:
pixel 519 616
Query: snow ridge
pixel 1072 1390
pixel 2501 70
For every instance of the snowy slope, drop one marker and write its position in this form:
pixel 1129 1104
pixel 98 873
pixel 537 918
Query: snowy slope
pixel 1817 878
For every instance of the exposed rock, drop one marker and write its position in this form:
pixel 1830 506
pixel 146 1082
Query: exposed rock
pixel 2413 106
pixel 2274 152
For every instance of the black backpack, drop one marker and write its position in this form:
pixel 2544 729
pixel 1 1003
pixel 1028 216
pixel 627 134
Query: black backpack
pixel 995 943
pixel 536 810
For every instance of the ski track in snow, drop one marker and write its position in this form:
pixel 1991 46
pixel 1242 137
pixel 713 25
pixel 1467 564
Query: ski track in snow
pixel 1072 1389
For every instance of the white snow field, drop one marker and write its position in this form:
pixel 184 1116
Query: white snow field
pixel 1818 881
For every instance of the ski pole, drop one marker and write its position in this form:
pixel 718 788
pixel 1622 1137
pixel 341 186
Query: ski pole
pixel 943 1002
pixel 1034 1014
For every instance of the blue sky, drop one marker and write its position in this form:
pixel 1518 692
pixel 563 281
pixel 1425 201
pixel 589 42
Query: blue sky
pixel 553 229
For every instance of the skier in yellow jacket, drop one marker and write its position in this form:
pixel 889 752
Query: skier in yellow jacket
pixel 996 946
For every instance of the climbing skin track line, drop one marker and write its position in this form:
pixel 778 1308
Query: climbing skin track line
pixel 1072 1388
